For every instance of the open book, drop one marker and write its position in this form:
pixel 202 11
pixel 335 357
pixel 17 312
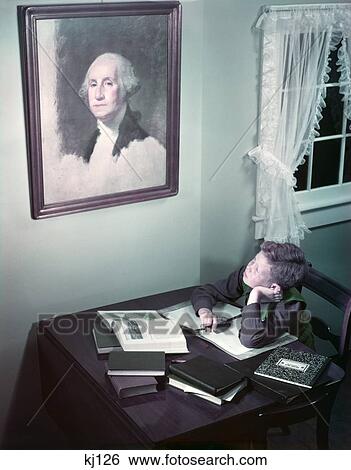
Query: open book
pixel 145 330
pixel 227 339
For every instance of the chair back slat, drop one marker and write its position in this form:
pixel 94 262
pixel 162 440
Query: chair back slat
pixel 325 287
pixel 339 296
pixel 345 336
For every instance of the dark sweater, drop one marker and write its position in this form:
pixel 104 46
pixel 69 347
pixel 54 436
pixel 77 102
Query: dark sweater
pixel 261 323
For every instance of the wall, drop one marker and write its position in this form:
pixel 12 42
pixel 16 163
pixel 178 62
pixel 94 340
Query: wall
pixel 73 262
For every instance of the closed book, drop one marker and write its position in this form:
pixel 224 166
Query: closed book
pixel 207 375
pixel 105 340
pixel 281 391
pixel 176 382
pixel 271 388
pixel 136 363
pixel 130 386
pixel 300 368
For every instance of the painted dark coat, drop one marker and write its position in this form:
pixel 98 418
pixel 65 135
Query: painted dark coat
pixel 129 130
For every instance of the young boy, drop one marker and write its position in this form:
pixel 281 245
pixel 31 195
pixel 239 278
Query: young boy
pixel 266 284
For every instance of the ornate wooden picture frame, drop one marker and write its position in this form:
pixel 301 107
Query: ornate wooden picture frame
pixel 101 92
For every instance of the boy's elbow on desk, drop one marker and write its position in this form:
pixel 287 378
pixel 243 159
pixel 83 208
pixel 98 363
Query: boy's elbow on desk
pixel 252 341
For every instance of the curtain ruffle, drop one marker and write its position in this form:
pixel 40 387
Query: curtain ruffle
pixel 344 68
pixel 272 165
pixel 319 17
pixel 270 96
pixel 293 237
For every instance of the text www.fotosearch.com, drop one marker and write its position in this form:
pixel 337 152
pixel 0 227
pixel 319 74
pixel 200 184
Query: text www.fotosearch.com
pixel 95 460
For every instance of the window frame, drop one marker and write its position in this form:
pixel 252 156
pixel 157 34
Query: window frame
pixel 327 204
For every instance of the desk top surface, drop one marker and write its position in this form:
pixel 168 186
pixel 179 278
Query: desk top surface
pixel 169 412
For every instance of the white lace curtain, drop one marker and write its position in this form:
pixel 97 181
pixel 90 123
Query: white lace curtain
pixel 296 48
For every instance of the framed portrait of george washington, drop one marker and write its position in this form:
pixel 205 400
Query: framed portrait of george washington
pixel 101 89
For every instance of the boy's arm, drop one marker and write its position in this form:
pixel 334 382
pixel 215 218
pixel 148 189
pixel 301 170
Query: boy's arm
pixel 281 317
pixel 225 290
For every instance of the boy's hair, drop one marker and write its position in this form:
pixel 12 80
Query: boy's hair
pixel 288 263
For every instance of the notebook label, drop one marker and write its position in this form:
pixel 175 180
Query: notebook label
pixel 295 365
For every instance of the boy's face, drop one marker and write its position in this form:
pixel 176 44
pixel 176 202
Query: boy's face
pixel 258 272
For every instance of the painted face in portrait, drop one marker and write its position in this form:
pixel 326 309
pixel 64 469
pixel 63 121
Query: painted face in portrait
pixel 258 271
pixel 105 95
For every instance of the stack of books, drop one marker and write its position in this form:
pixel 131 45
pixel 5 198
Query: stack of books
pixel 207 379
pixel 130 373
pixel 133 373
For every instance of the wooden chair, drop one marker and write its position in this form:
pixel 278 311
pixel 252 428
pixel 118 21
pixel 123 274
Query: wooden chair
pixel 321 402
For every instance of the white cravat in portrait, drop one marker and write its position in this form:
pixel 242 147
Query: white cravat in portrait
pixel 106 139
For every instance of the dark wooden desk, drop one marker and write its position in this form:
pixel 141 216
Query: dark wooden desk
pixel 83 403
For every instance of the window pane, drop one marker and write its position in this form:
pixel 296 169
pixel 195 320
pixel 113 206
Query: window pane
pixel 348 127
pixel 334 75
pixel 301 176
pixel 331 122
pixel 347 162
pixel 326 160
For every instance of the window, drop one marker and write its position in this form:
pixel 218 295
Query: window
pixel 324 180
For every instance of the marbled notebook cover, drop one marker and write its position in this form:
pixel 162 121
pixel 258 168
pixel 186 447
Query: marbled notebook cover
pixel 294 367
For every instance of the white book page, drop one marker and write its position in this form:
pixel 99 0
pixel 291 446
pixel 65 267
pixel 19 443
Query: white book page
pixel 110 316
pixel 184 314
pixel 197 391
pixel 155 329
pixel 229 342
pixel 194 391
pixel 145 330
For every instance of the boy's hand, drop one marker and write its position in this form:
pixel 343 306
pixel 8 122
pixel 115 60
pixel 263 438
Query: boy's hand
pixel 208 319
pixel 265 294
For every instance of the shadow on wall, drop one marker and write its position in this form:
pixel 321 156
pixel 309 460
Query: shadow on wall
pixel 28 426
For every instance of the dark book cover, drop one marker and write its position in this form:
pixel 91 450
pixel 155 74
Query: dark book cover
pixel 130 386
pixel 105 340
pixel 136 363
pixel 175 381
pixel 293 367
pixel 277 390
pixel 207 374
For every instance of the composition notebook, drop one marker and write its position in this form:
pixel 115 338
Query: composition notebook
pixel 294 367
